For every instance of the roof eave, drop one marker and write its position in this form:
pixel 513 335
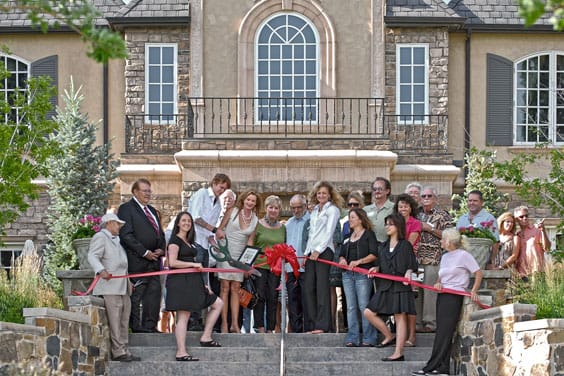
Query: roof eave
pixel 396 21
pixel 144 21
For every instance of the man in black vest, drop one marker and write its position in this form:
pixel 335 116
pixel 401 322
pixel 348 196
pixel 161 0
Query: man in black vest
pixel 143 239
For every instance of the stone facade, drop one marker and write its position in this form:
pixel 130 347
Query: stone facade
pixel 32 224
pixel 75 342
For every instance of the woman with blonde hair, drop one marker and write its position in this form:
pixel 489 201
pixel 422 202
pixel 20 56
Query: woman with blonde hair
pixel 239 224
pixel 508 251
pixel 455 270
pixel 323 221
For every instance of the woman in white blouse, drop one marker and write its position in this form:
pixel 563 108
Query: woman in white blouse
pixel 323 220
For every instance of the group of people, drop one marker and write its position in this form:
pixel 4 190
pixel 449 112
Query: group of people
pixel 394 238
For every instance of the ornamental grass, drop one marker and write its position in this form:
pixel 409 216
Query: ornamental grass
pixel 23 287
pixel 545 290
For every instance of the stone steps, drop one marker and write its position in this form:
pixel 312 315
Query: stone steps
pixel 259 354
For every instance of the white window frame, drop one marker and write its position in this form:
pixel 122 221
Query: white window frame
pixel 13 248
pixel 552 99
pixel 407 119
pixel 148 115
pixel 291 76
pixel 4 91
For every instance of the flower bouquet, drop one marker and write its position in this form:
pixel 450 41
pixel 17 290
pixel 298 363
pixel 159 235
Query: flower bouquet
pixel 483 230
pixel 88 226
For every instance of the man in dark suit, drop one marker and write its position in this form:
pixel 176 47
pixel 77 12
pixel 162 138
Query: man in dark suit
pixel 143 239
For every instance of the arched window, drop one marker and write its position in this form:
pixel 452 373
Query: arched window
pixel 539 99
pixel 287 70
pixel 18 74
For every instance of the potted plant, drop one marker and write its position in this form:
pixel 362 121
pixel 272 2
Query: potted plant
pixel 480 239
pixel 88 226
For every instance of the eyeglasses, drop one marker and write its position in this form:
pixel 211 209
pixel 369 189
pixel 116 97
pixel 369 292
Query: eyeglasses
pixel 426 196
pixel 353 204
pixel 389 224
pixel 297 207
pixel 378 189
pixel 146 191
pixel 523 216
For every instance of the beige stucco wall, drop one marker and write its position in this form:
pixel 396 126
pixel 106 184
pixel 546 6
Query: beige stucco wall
pixel 84 71
pixel 352 26
pixel 511 46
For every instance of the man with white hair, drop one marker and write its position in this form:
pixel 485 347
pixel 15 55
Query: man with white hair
pixel 107 257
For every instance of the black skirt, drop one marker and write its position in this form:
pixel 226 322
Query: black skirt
pixel 186 292
pixel 388 302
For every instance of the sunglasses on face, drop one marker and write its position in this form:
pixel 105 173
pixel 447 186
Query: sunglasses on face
pixel 523 216
pixel 427 196
pixel 353 204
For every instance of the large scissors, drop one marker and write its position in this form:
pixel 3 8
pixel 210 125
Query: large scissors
pixel 220 253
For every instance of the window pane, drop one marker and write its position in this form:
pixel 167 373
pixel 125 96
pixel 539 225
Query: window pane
pixel 521 97
pixel 544 80
pixel 405 55
pixel 560 98
pixel 168 93
pixel 522 65
pixel 22 67
pixel 168 109
pixel 262 52
pixel 311 82
pixel 533 80
pixel 275 67
pixel 262 67
pixel 309 35
pixel 287 52
pixel 310 67
pixel 154 55
pixel 543 115
pixel 264 35
pixel 154 74
pixel 405 109
pixel 521 116
pixel 532 116
pixel 311 52
pixel 405 93
pixel 521 79
pixel 263 83
pixel 287 67
pixel 560 62
pixel 521 132
pixel 11 82
pixel 418 55
pixel 299 83
pixel 168 55
pixel 419 93
pixel 532 98
pixel 22 78
pixel 560 134
pixel 299 67
pixel 299 52
pixel 544 62
pixel 543 97
pixel 418 75
pixel 418 109
pixel 276 39
pixel 154 93
pixel 10 65
pixel 275 83
pixel 277 21
pixel 154 109
pixel 405 75
pixel 275 52
pixel 168 74
pixel 291 34
pixel 286 83
pixel 533 64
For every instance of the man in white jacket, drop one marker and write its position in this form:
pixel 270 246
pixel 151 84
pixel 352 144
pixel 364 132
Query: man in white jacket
pixel 107 257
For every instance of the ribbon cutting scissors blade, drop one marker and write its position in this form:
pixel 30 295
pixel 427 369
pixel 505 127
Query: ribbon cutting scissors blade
pixel 220 253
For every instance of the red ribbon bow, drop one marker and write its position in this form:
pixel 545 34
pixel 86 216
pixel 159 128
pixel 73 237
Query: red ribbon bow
pixel 281 251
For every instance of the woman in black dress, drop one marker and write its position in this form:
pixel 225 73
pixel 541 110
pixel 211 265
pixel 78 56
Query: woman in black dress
pixel 395 257
pixel 186 292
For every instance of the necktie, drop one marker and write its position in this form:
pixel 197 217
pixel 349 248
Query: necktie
pixel 151 219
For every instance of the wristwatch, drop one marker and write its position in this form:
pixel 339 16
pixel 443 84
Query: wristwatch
pixel 432 226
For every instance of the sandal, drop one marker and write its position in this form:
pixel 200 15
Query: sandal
pixel 350 344
pixel 366 345
pixel 211 343
pixel 386 344
pixel 408 343
pixel 186 358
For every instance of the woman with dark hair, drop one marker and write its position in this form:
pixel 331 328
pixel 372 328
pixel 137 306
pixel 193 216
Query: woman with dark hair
pixel 395 257
pixel 186 292
pixel 360 249
pixel 407 207
pixel 323 221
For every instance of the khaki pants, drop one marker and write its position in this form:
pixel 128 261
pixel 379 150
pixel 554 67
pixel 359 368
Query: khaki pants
pixel 426 302
pixel 118 308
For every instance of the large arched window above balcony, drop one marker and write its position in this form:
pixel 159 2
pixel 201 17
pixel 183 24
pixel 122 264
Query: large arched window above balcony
pixel 539 99
pixel 286 75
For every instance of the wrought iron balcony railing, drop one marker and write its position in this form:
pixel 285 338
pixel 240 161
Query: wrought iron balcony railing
pixel 283 119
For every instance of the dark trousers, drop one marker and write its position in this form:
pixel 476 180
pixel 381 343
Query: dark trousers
pixel 266 286
pixel 295 302
pixel 448 314
pixel 145 303
pixel 317 293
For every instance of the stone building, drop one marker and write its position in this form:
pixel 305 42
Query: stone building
pixel 281 93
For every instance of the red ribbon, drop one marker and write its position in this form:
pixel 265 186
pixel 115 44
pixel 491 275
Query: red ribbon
pixel 402 279
pixel 279 252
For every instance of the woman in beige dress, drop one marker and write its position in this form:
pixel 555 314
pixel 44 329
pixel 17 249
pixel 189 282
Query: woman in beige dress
pixel 239 224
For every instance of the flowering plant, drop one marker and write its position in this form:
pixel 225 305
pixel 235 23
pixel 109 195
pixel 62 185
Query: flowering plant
pixel 484 231
pixel 88 226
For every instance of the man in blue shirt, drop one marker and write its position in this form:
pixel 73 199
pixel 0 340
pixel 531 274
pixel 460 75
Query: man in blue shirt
pixel 294 238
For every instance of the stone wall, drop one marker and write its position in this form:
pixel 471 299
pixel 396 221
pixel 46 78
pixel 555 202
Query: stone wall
pixel 75 342
pixel 507 340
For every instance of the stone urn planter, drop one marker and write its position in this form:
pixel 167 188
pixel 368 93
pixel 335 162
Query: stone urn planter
pixel 481 249
pixel 81 247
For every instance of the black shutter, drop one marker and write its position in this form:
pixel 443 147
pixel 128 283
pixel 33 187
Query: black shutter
pixel 499 101
pixel 48 66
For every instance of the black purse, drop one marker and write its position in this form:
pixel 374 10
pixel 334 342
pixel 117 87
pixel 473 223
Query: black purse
pixel 248 296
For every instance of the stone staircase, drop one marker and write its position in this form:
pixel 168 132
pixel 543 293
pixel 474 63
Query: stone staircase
pixel 259 354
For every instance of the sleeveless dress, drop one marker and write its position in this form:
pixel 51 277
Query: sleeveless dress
pixel 186 292
pixel 505 251
pixel 237 241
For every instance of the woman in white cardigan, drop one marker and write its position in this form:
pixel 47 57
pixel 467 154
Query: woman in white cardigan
pixel 324 218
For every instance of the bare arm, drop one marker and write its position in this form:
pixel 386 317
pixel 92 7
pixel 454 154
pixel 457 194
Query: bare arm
pixel 175 263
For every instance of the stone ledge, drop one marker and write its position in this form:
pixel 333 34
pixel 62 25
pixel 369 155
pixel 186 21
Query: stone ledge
pixel 21 328
pixel 75 274
pixel 508 310
pixel 31 314
pixel 80 301
pixel 149 169
pixel 539 325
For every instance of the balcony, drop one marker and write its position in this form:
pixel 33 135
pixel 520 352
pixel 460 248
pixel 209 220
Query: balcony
pixel 309 122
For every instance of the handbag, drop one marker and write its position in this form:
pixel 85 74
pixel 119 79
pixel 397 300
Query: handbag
pixel 248 297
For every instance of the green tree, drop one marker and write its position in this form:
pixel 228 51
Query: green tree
pixel 80 16
pixel 532 10
pixel 24 145
pixel 480 172
pixel 79 182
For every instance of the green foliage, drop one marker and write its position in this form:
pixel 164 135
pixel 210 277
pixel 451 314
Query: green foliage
pixel 89 225
pixel 539 191
pixel 24 288
pixel 480 165
pixel 78 15
pixel 79 182
pixel 24 145
pixel 484 231
pixel 546 290
pixel 532 10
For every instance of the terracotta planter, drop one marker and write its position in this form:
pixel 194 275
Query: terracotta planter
pixel 81 247
pixel 481 250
